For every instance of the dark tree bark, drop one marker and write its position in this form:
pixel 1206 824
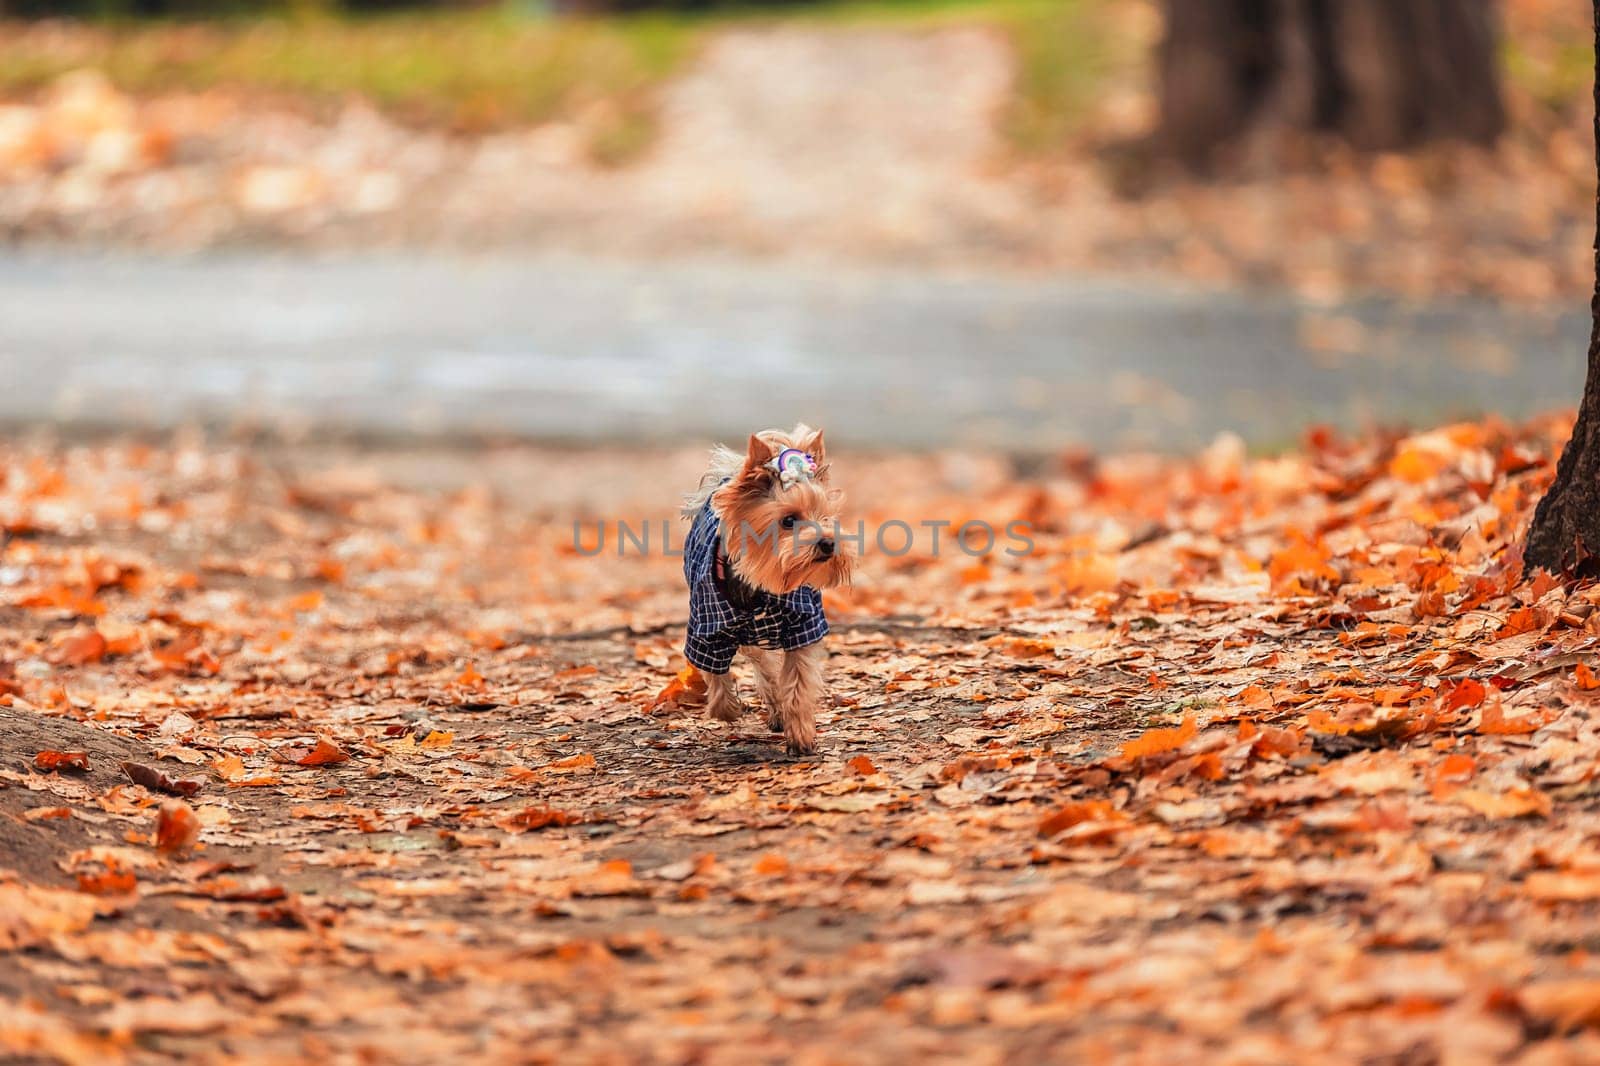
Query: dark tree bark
pixel 1565 533
pixel 1382 74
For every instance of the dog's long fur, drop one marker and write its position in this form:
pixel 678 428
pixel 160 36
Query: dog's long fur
pixel 750 500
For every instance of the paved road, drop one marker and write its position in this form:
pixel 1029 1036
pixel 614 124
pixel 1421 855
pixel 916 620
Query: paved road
pixel 561 348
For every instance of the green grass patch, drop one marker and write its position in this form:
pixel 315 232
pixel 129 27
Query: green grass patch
pixel 1557 74
pixel 470 72
pixel 482 70
pixel 1066 54
pixel 489 69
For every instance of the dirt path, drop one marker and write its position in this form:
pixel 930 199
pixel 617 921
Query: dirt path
pixel 869 141
pixel 1185 779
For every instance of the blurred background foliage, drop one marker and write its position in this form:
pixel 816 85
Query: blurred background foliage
pixel 481 66
pixel 1181 134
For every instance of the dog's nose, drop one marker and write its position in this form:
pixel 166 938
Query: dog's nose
pixel 825 548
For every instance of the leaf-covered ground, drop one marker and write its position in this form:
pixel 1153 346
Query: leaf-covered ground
pixel 1275 760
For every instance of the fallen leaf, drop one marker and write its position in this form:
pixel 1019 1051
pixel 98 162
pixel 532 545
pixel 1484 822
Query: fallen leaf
pixel 114 881
pixel 436 740
pixel 1495 723
pixel 538 818
pixel 78 648
pixel 771 865
pixel 1073 814
pixel 1566 1005
pixel 687 688
pixel 177 828
pixel 860 764
pixel 51 761
pixel 325 753
pixel 1157 741
pixel 1514 803
pixel 156 781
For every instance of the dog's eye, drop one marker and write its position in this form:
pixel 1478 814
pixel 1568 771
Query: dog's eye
pixel 787 521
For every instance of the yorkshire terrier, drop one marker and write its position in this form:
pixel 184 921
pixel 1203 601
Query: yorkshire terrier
pixel 764 540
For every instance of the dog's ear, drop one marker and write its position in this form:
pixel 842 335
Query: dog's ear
pixel 812 445
pixel 758 455
pixel 756 478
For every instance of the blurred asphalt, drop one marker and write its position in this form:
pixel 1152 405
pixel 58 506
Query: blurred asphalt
pixel 570 349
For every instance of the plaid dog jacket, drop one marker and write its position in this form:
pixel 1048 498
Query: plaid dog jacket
pixel 718 628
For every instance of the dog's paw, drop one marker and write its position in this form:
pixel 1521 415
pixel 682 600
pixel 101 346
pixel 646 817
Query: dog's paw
pixel 800 742
pixel 726 711
pixel 774 722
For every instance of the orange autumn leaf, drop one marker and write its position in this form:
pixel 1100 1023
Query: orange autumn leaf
pixel 325 753
pixel 1518 622
pixel 1320 721
pixel 1257 697
pixel 1585 677
pixel 1275 741
pixel 1301 557
pixel 771 864
pixel 572 764
pixel 115 881
pixel 51 761
pixel 1514 803
pixel 862 765
pixel 1561 1005
pixel 182 654
pixel 1072 814
pixel 470 678
pixel 1207 766
pixel 537 818
pixel 1449 775
pixel 1465 695
pixel 306 601
pixel 177 828
pixel 687 686
pixel 121 641
pixel 1417 464
pixel 66 598
pixel 78 648
pixel 230 768
pixel 1082 574
pixel 1495 722
pixel 976 574
pixel 1023 647
pixel 1456 767
pixel 1156 741
pixel 492 641
pixel 437 739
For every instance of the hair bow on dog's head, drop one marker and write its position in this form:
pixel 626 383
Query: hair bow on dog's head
pixel 793 465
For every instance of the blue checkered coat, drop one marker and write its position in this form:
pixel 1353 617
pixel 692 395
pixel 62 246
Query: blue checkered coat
pixel 717 629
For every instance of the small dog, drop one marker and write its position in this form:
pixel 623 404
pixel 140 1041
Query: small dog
pixel 762 543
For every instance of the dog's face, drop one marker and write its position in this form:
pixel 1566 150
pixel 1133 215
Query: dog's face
pixel 781 536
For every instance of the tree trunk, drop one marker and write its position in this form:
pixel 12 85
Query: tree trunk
pixel 1566 527
pixel 1382 74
